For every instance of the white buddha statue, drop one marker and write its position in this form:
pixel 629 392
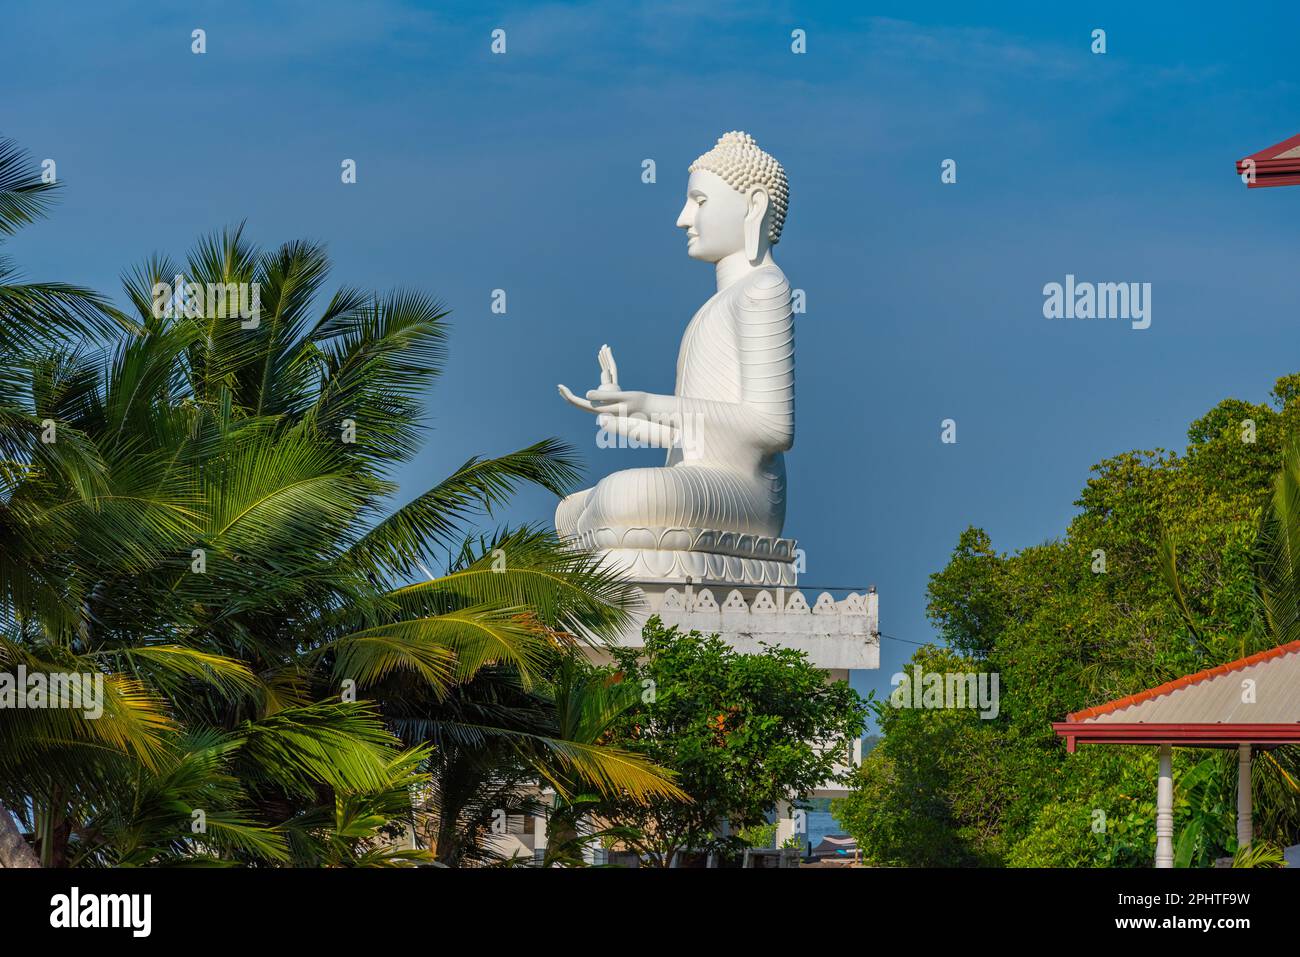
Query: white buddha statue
pixel 716 509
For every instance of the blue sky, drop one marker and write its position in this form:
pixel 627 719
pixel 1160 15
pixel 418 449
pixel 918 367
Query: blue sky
pixel 522 172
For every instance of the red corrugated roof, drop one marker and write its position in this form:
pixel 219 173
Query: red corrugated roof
pixel 1278 165
pixel 1184 681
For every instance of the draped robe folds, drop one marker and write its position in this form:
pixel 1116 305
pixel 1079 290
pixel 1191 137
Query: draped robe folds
pixel 730 420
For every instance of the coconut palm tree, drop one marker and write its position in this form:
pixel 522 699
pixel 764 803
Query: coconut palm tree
pixel 210 525
pixel 35 318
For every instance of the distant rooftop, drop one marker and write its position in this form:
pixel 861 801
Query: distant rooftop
pixel 1277 165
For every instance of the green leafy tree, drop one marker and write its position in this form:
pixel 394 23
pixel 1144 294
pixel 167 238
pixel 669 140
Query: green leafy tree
pixel 743 732
pixel 946 761
pixel 1174 563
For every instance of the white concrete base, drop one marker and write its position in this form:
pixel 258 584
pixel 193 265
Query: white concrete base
pixel 840 636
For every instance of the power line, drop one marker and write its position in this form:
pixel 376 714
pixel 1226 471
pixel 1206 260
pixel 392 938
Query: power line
pixel 907 640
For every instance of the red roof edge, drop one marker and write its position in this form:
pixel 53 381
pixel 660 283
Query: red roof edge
pixel 1265 156
pixel 1263 179
pixel 1187 735
pixel 1267 169
pixel 1183 682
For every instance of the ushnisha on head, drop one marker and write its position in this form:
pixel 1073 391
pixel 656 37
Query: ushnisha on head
pixel 741 164
pixel 736 200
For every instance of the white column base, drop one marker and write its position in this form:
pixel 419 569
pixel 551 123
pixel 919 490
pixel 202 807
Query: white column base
pixel 1245 822
pixel 1165 809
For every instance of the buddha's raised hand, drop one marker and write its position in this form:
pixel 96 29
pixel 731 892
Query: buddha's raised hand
pixel 608 369
pixel 609 396
pixel 608 381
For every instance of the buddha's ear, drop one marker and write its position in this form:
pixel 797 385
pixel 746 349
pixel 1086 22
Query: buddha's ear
pixel 754 219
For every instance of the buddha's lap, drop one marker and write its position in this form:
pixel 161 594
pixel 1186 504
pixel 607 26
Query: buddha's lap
pixel 682 496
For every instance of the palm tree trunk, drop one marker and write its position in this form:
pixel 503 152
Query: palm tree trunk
pixel 14 851
pixel 53 831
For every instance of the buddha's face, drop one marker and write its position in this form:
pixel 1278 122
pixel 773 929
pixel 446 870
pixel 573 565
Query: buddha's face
pixel 713 217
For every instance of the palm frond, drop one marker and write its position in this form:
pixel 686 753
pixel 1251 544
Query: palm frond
pixel 408 537
pixel 24 196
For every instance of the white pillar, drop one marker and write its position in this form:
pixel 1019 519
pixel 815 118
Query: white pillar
pixel 539 831
pixel 1245 824
pixel 784 822
pixel 1165 809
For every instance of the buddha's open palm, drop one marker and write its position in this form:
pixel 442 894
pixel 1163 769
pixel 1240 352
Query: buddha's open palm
pixel 607 390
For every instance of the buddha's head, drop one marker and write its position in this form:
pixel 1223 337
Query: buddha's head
pixel 736 198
